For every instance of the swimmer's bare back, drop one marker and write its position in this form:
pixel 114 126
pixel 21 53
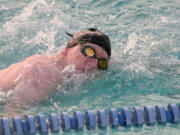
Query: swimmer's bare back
pixel 31 80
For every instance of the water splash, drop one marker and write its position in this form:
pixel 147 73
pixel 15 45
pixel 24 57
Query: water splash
pixel 132 39
pixel 145 62
pixel 23 19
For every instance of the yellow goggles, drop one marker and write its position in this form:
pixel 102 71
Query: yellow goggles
pixel 89 52
pixel 102 64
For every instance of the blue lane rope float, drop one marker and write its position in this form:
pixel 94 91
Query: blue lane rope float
pixel 137 117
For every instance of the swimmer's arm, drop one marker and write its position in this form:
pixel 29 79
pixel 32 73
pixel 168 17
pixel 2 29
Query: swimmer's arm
pixel 35 87
pixel 25 94
pixel 37 84
pixel 8 76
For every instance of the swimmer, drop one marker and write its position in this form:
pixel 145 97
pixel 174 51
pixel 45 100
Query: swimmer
pixel 38 76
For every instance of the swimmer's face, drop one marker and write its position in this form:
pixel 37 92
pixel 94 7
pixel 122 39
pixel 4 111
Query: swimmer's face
pixel 82 62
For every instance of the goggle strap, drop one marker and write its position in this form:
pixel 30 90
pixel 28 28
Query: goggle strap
pixel 69 34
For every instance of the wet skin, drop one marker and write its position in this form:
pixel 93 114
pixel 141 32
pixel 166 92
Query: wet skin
pixel 38 76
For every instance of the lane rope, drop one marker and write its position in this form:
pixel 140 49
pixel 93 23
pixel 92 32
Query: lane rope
pixel 65 123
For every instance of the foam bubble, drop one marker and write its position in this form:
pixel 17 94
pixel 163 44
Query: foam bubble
pixel 132 39
pixel 164 19
pixel 3 8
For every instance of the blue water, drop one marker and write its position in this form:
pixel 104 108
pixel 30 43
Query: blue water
pixel 145 62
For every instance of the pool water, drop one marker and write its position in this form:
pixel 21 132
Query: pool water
pixel 145 62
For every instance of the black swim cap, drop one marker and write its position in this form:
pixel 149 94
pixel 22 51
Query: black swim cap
pixel 93 36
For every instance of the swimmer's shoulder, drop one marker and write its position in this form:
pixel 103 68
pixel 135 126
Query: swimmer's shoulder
pixel 35 59
pixel 40 61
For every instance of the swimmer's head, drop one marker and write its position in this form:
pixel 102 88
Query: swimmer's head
pixel 93 36
pixel 88 50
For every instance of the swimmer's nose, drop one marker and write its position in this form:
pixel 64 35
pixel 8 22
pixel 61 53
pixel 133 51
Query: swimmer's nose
pixel 91 64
